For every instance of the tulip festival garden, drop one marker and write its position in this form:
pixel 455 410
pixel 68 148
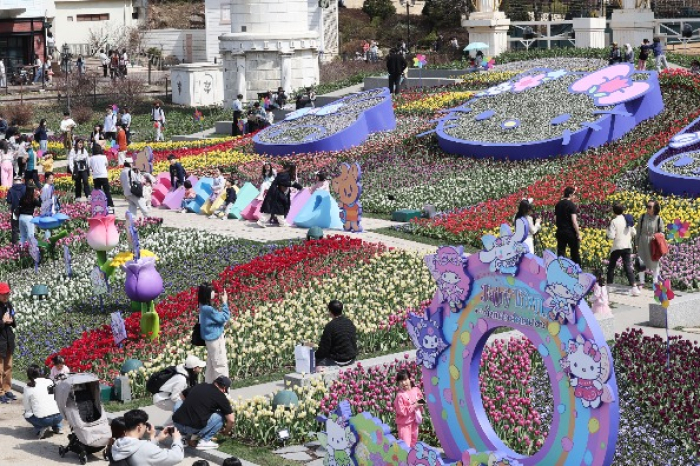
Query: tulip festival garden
pixel 279 290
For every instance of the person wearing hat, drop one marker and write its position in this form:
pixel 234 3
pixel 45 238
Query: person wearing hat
pixel 14 194
pixel 7 343
pixel 204 412
pixel 126 178
pixel 277 200
pixel 169 398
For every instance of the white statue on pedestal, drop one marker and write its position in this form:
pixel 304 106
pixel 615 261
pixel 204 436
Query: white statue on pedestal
pixel 636 4
pixel 486 6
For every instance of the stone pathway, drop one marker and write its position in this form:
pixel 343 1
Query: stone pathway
pixel 244 229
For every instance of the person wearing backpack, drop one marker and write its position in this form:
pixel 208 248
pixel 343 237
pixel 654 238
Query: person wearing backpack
pixel 650 223
pixel 167 385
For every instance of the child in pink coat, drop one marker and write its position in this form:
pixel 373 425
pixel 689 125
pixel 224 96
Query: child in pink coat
pixel 601 303
pixel 408 408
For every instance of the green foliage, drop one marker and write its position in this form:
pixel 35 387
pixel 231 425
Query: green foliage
pixel 379 8
pixel 445 13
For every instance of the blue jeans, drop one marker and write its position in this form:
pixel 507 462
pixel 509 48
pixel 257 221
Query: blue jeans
pixel 177 405
pixel 214 425
pixel 43 145
pixel 55 421
pixel 26 228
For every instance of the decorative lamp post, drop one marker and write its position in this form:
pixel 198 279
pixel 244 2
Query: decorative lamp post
pixel 66 67
pixel 408 4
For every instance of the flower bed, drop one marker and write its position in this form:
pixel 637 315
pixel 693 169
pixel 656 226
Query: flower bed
pixel 274 293
pixel 71 308
pixel 655 428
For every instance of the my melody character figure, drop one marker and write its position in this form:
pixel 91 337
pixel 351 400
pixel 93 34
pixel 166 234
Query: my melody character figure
pixel 566 285
pixel 589 368
pixel 349 188
pixel 427 338
pixel 504 253
pixel 339 438
pixel 447 268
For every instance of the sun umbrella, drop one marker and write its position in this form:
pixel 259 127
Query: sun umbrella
pixel 476 46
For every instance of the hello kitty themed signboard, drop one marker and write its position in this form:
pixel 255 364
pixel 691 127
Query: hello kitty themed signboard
pixel 547 112
pixel 542 297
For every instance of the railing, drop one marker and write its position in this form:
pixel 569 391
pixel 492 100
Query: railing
pixel 546 32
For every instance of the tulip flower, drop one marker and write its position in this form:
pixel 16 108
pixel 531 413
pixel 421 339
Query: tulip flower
pixel 143 282
pixel 103 234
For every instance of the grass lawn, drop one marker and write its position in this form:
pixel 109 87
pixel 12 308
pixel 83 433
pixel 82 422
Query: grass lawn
pixel 391 231
pixel 260 455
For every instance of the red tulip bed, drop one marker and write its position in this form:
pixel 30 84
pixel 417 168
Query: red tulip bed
pixel 262 280
pixel 593 173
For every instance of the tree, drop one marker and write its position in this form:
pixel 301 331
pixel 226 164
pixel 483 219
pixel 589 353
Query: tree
pixel 445 13
pixel 378 9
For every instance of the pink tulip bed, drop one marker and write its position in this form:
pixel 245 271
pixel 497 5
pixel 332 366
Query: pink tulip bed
pixel 658 408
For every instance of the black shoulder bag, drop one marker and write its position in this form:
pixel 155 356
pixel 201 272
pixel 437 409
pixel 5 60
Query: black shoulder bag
pixel 135 187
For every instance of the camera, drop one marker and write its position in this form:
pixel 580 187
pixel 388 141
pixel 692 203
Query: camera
pixel 421 401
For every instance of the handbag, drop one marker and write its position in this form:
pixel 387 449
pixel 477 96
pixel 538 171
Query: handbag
pixel 197 339
pixel 135 187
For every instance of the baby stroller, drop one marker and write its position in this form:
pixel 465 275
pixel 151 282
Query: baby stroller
pixel 78 399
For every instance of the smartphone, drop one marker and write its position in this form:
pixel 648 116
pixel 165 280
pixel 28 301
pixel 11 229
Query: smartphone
pixel 170 430
pixel 149 426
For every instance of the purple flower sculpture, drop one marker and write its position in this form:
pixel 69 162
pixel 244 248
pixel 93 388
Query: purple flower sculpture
pixel 143 282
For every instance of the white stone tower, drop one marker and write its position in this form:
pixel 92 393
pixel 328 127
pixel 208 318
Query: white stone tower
pixel 270 45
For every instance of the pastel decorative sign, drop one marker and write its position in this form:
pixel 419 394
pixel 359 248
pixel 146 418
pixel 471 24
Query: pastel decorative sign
pixel 334 127
pixel 543 299
pixel 340 437
pixel 348 187
pixel 675 169
pixel 516 119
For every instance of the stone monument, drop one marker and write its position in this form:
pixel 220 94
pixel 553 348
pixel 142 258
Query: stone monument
pixel 633 23
pixel 489 25
pixel 270 45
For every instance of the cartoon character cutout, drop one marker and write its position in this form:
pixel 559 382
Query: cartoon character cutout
pixel 611 85
pixel 503 254
pixel 340 437
pixel 422 455
pixel 588 367
pixel 447 268
pixel 473 458
pixel 98 203
pixel 566 286
pixel 427 337
pixel 349 188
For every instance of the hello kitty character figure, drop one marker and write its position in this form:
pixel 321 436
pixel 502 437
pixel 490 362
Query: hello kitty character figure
pixel 447 268
pixel 588 367
pixel 340 437
pixel 422 455
pixel 503 254
pixel 427 337
pixel 566 286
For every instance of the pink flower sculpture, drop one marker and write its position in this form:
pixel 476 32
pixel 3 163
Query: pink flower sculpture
pixel 527 82
pixel 103 234
pixel 611 86
pixel 143 282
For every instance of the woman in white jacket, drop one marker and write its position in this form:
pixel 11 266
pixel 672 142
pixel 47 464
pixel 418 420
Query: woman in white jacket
pixel 533 227
pixel 621 230
pixel 40 408
pixel 187 375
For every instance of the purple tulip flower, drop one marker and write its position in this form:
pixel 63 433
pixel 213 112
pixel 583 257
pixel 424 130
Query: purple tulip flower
pixel 143 282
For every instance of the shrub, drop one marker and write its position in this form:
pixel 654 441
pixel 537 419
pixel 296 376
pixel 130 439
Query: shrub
pixel 82 114
pixel 128 92
pixel 21 113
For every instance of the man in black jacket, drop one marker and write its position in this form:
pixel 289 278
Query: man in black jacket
pixel 7 343
pixel 395 64
pixel 338 345
pixel 14 194
pixel 177 173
